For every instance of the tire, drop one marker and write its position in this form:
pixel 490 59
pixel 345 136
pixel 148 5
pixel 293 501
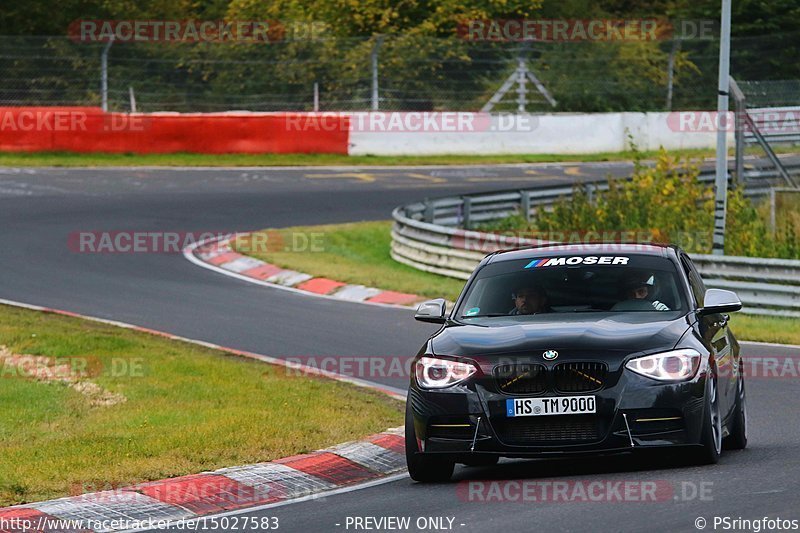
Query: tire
pixel 737 440
pixel 422 468
pixel 481 460
pixel 711 433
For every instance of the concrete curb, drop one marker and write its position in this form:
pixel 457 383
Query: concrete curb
pixel 216 254
pixel 159 504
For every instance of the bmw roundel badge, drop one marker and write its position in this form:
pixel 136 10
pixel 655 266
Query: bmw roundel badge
pixel 549 355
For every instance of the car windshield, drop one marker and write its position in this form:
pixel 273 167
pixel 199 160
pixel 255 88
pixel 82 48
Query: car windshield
pixel 537 286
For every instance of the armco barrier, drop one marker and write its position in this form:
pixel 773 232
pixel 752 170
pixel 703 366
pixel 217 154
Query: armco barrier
pixel 427 236
pixel 88 129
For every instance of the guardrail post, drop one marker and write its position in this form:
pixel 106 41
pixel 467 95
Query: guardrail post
pixel 525 204
pixel 429 210
pixel 466 212
pixel 772 207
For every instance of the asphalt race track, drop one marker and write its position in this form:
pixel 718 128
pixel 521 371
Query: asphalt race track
pixel 40 208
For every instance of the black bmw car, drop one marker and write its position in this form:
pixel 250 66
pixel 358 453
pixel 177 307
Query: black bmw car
pixel 561 349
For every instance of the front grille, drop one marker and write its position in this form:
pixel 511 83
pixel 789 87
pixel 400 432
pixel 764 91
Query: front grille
pixel 547 429
pixel 580 377
pixel 521 378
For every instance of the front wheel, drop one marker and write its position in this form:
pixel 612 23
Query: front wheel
pixel 711 433
pixel 737 440
pixel 424 468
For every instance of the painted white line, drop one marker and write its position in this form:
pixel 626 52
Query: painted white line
pixel 188 253
pixel 343 490
pixel 393 392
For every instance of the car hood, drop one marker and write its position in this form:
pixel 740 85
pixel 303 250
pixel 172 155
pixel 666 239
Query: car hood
pixel 578 333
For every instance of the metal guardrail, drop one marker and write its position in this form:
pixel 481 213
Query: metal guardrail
pixel 428 236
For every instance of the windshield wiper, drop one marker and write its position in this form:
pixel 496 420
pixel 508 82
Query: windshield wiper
pixel 486 315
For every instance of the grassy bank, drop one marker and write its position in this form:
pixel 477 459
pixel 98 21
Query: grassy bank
pixel 64 159
pixel 67 159
pixel 108 407
pixel 353 253
pixel 359 253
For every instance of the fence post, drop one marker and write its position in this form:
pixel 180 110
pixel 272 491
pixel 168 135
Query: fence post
pixel 374 61
pixel 772 208
pixel 316 97
pixel 466 210
pixel 522 91
pixel 132 98
pixel 676 46
pixel 104 74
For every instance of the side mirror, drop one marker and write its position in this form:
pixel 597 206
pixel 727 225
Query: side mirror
pixel 720 301
pixel 431 311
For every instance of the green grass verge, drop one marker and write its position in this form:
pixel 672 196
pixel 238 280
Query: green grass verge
pixel 355 253
pixel 359 253
pixel 66 159
pixel 766 328
pixel 188 409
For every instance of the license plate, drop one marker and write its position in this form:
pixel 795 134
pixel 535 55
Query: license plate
pixel 563 405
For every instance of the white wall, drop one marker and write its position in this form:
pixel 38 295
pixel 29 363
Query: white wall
pixel 536 134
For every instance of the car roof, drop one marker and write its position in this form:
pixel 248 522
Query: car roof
pixel 562 249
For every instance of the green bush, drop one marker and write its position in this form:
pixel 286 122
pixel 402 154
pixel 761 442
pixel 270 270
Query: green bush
pixel 663 202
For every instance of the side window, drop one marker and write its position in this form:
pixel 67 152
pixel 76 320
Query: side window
pixel 695 281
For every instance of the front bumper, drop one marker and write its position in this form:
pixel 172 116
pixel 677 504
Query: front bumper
pixel 470 419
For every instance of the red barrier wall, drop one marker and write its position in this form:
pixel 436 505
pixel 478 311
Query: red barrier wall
pixel 88 129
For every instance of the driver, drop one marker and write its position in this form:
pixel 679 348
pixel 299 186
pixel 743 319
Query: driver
pixel 641 288
pixel 529 300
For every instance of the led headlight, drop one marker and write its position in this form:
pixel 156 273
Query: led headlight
pixel 434 373
pixel 677 365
